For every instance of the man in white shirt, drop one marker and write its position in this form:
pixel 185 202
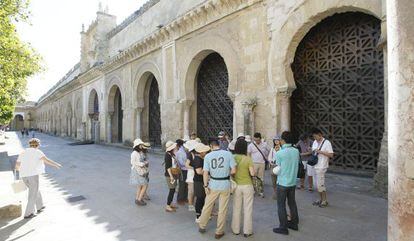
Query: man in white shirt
pixel 258 150
pixel 323 148
pixel 30 164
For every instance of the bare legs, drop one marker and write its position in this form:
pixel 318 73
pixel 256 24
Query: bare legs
pixel 141 191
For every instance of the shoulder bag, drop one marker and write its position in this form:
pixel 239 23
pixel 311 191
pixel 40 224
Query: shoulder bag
pixel 314 158
pixel 264 158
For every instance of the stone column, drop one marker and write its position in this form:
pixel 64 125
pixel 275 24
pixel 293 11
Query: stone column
pixel 109 117
pixel 186 118
pixel 138 122
pixel 400 41
pixel 284 101
pixel 249 117
pixel 74 128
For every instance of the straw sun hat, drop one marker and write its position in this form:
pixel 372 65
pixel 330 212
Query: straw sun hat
pixel 144 145
pixel 170 145
pixel 190 145
pixel 200 148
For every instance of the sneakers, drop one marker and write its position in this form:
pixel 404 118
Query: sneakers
pixel 191 208
pixel 323 204
pixel 41 209
pixel 283 231
pixel 201 230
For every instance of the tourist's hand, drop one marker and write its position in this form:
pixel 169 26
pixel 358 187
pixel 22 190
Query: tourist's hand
pixel 207 190
pixel 58 166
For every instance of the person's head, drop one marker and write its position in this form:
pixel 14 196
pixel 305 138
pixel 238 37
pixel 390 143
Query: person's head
pixel 241 136
pixel 214 143
pixel 304 137
pixel 201 149
pixel 193 136
pixel 140 146
pixel 317 134
pixel 34 143
pixel 180 143
pixel 221 135
pixel 240 147
pixel 276 141
pixel 287 138
pixel 257 137
pixel 170 147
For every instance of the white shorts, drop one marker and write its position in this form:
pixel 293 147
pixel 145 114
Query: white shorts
pixel 320 179
pixel 190 176
pixel 310 170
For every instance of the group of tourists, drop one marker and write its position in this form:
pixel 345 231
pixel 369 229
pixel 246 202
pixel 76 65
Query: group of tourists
pixel 201 174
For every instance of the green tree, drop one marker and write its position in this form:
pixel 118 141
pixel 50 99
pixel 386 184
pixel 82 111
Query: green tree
pixel 18 60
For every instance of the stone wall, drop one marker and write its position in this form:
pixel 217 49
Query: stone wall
pixel 257 40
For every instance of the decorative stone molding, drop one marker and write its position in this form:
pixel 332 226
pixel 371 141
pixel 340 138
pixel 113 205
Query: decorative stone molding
pixel 194 19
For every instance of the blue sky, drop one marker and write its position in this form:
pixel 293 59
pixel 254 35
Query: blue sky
pixel 55 33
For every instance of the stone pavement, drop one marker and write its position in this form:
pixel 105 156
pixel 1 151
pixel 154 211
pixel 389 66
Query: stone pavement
pixel 101 175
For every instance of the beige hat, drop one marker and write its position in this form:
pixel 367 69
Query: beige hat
pixel 200 148
pixel 248 138
pixel 190 145
pixel 170 145
pixel 198 140
pixel 138 142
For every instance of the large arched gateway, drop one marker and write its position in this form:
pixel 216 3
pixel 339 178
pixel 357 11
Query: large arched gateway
pixel 116 114
pixel 338 71
pixel 214 107
pixel 154 113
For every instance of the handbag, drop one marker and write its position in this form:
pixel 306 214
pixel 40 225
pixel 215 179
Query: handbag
pixel 18 186
pixel 301 170
pixel 314 158
pixel 233 186
pixel 175 170
pixel 267 166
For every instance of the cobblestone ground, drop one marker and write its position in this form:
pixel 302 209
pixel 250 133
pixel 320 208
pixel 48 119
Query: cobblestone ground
pixel 101 175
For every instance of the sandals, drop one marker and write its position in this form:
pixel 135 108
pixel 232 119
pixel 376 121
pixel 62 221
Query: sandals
pixel 169 209
pixel 30 216
pixel 323 204
pixel 41 209
pixel 316 203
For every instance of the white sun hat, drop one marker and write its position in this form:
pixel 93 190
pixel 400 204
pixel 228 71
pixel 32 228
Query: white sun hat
pixel 200 148
pixel 276 170
pixel 170 145
pixel 138 142
pixel 190 145
pixel 240 135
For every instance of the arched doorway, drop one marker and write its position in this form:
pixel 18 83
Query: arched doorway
pixel 17 122
pixel 338 70
pixel 214 107
pixel 69 113
pixel 154 112
pixel 93 113
pixel 116 113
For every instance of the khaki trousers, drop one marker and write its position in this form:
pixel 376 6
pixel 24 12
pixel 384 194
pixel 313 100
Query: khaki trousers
pixel 223 197
pixel 243 198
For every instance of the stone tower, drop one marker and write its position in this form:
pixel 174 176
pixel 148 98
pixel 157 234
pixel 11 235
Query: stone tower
pixel 94 41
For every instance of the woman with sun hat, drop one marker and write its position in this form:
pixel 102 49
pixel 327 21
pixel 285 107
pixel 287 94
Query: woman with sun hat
pixel 139 170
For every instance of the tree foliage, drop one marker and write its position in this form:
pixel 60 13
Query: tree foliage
pixel 18 60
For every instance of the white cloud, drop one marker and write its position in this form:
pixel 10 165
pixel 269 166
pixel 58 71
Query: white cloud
pixel 55 33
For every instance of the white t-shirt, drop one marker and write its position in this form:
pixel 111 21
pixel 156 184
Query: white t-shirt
pixel 31 163
pixel 257 157
pixel 323 161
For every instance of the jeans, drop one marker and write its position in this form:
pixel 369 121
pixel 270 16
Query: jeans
pixel 182 187
pixel 288 193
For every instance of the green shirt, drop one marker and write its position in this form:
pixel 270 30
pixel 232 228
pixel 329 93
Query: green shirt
pixel 288 160
pixel 243 163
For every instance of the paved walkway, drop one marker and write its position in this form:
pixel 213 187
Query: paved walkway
pixel 101 175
